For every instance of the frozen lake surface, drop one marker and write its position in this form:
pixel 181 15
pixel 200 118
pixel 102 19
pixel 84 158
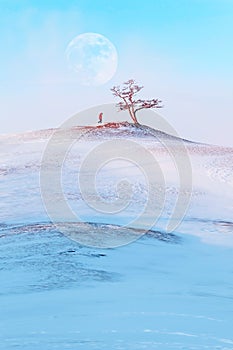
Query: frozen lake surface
pixel 163 291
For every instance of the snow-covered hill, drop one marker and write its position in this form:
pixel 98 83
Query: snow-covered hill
pixel 165 290
pixel 208 173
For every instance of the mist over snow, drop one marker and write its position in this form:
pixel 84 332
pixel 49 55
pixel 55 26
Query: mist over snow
pixel 163 290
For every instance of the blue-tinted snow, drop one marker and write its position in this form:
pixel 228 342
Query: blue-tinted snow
pixel 163 291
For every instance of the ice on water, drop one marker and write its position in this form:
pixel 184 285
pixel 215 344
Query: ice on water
pixel 163 291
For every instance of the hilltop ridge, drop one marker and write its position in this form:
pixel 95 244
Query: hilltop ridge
pixel 106 130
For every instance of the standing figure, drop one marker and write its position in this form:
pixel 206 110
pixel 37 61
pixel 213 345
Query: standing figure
pixel 100 117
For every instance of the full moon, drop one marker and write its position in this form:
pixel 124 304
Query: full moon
pixel 93 58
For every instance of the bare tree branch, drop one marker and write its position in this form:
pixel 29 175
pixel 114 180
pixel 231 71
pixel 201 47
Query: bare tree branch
pixel 127 93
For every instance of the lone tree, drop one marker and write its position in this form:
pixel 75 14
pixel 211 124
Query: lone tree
pixel 127 95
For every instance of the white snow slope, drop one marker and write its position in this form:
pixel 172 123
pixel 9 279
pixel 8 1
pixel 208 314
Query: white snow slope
pixel 165 290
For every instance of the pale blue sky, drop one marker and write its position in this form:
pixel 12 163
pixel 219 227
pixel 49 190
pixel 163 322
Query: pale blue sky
pixel 180 50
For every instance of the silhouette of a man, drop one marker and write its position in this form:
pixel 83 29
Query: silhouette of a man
pixel 100 118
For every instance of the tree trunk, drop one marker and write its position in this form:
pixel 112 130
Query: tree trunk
pixel 133 115
pixel 135 118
